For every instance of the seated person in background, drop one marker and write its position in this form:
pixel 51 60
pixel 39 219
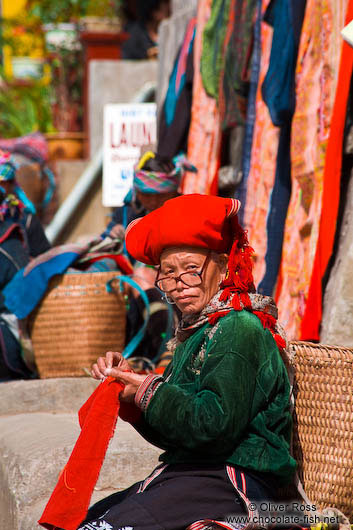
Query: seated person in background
pixel 21 237
pixel 156 179
pixel 143 41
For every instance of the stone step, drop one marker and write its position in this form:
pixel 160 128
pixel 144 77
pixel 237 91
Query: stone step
pixel 45 395
pixel 36 444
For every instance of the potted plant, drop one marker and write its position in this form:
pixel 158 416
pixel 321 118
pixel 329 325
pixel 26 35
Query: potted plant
pixel 54 12
pixel 23 45
pixel 58 20
pixel 102 16
pixel 25 109
pixel 59 24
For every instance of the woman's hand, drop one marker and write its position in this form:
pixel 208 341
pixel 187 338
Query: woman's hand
pixel 131 380
pixel 115 365
pixel 102 368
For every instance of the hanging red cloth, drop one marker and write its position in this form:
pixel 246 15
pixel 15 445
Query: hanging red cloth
pixel 69 502
pixel 310 324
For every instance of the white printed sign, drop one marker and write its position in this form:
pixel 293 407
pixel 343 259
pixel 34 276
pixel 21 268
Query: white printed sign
pixel 127 129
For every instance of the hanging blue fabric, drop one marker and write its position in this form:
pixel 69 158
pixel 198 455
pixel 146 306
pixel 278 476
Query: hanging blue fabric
pixel 178 76
pixel 276 218
pixel 286 17
pixel 277 88
pixel 135 341
pixel 242 189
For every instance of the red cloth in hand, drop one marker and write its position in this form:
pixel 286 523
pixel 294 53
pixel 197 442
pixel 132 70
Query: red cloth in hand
pixel 69 502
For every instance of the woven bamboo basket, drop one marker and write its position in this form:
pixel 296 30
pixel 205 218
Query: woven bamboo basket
pixel 77 321
pixel 323 433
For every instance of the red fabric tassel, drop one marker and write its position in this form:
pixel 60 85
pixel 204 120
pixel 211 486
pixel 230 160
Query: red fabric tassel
pixel 225 294
pixel 281 343
pixel 236 302
pixel 69 502
pixel 268 321
pixel 213 319
pixel 245 299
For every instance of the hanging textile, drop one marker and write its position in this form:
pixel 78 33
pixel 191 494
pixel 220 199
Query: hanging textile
pixel 316 81
pixel 175 114
pixel 204 140
pixel 213 38
pixel 225 60
pixel 330 201
pixel 237 68
pixel 278 90
pixel 251 110
pixel 263 163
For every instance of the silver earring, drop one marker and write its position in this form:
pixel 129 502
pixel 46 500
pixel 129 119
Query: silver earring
pixel 169 300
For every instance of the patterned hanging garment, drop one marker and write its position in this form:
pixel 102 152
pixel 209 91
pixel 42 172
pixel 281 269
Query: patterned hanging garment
pixel 278 90
pixel 204 140
pixel 316 81
pixel 251 109
pixel 330 202
pixel 263 164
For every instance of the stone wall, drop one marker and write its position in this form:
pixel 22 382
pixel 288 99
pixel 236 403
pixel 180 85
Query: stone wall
pixel 114 82
pixel 336 327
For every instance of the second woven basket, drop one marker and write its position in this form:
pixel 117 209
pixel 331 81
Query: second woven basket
pixel 77 321
pixel 323 433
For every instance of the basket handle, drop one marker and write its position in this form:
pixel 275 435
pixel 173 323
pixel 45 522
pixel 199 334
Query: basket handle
pixel 135 341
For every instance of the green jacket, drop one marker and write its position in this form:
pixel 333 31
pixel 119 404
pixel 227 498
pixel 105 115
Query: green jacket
pixel 225 400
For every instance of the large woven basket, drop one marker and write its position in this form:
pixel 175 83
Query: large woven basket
pixel 323 433
pixel 77 321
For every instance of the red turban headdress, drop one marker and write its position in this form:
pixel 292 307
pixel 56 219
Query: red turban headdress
pixel 200 221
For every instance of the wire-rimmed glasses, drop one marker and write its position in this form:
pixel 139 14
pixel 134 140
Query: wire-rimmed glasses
pixel 191 279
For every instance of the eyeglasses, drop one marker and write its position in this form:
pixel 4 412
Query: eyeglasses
pixel 191 279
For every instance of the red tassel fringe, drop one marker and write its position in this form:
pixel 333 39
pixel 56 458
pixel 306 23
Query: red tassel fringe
pixel 269 322
pixel 239 283
pixel 213 319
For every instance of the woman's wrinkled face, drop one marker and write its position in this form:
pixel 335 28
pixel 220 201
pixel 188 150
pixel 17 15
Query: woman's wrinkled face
pixel 177 260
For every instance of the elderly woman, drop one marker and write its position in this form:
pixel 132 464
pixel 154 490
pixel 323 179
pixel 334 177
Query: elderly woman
pixel 221 411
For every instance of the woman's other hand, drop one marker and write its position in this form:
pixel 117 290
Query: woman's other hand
pixel 103 367
pixel 115 365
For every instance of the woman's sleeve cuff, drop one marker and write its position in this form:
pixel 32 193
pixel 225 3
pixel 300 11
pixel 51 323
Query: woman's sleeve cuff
pixel 146 390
